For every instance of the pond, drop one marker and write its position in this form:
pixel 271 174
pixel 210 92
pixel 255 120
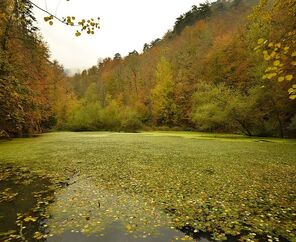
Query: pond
pixel 34 209
pixel 141 187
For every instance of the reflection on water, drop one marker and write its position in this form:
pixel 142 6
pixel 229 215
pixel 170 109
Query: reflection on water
pixel 85 208
pixel 23 197
pixel 117 233
pixel 81 211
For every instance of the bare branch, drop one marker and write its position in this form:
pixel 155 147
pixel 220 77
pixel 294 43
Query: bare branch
pixel 45 11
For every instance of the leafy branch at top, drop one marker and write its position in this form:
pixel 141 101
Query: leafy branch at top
pixel 281 57
pixel 86 25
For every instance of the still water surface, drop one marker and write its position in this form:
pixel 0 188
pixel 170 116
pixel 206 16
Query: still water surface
pixel 78 212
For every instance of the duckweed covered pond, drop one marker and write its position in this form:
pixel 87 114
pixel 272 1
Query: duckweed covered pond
pixel 142 187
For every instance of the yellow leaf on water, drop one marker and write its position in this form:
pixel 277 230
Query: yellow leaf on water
pixel 289 77
pixel 129 227
pixel 273 54
pixel 293 97
pixel 260 41
pixel 38 235
pixel 276 63
pixel 30 219
pixel 267 57
pixel 291 90
pixel 271 75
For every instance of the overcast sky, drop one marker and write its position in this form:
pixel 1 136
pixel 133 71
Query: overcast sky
pixel 125 25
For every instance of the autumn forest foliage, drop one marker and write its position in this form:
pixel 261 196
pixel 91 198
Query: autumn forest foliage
pixel 227 66
pixel 32 88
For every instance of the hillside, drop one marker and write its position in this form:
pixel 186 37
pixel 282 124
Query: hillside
pixel 202 75
pixel 226 66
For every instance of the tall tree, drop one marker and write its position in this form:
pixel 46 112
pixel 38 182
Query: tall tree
pixel 163 106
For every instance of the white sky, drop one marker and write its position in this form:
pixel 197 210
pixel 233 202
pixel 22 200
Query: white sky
pixel 125 25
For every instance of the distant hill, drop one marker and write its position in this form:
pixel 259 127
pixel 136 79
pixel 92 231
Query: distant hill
pixel 202 75
pixel 205 10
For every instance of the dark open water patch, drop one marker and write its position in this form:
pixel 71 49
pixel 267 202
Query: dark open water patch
pixel 23 199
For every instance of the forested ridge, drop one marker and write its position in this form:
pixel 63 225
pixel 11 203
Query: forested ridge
pixel 227 66
pixel 32 88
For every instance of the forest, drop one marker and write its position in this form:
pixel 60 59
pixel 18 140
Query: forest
pixel 190 139
pixel 226 66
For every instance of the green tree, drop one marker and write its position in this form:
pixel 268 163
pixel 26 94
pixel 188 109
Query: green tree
pixel 163 106
pixel 217 107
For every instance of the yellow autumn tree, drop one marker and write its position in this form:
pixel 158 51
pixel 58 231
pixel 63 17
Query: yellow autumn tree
pixel 279 50
pixel 163 107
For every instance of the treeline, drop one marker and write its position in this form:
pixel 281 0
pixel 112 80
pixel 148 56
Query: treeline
pixel 205 74
pixel 32 89
pixel 227 66
pixel 205 10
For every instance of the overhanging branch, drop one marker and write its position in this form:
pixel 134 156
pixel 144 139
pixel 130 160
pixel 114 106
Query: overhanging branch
pixel 47 12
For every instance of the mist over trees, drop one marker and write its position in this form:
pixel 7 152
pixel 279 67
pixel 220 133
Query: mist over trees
pixel 227 66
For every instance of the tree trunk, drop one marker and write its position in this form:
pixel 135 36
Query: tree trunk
pixel 278 117
pixel 245 129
